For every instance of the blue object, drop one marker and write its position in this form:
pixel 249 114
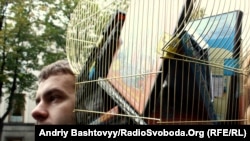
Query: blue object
pixel 230 63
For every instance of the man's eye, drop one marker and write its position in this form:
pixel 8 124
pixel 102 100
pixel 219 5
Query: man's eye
pixel 53 98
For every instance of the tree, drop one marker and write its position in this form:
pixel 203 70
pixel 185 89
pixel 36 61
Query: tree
pixel 32 34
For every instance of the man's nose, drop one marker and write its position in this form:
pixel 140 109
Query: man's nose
pixel 40 112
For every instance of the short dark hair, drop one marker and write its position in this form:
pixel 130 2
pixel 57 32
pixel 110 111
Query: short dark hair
pixel 60 66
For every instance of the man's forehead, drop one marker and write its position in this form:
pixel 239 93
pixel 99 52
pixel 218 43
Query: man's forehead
pixel 63 81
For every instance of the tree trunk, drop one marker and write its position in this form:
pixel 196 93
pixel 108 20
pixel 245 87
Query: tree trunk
pixel 10 101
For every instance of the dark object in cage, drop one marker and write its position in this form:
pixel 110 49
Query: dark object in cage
pixel 195 78
pixel 90 97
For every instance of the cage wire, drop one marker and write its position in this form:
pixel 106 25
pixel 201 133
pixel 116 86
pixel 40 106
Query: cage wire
pixel 160 61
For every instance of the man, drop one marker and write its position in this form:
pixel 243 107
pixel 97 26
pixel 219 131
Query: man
pixel 55 97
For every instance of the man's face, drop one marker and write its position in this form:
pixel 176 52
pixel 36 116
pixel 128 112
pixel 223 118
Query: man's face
pixel 55 99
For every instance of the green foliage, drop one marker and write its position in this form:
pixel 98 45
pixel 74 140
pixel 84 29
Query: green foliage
pixel 30 29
